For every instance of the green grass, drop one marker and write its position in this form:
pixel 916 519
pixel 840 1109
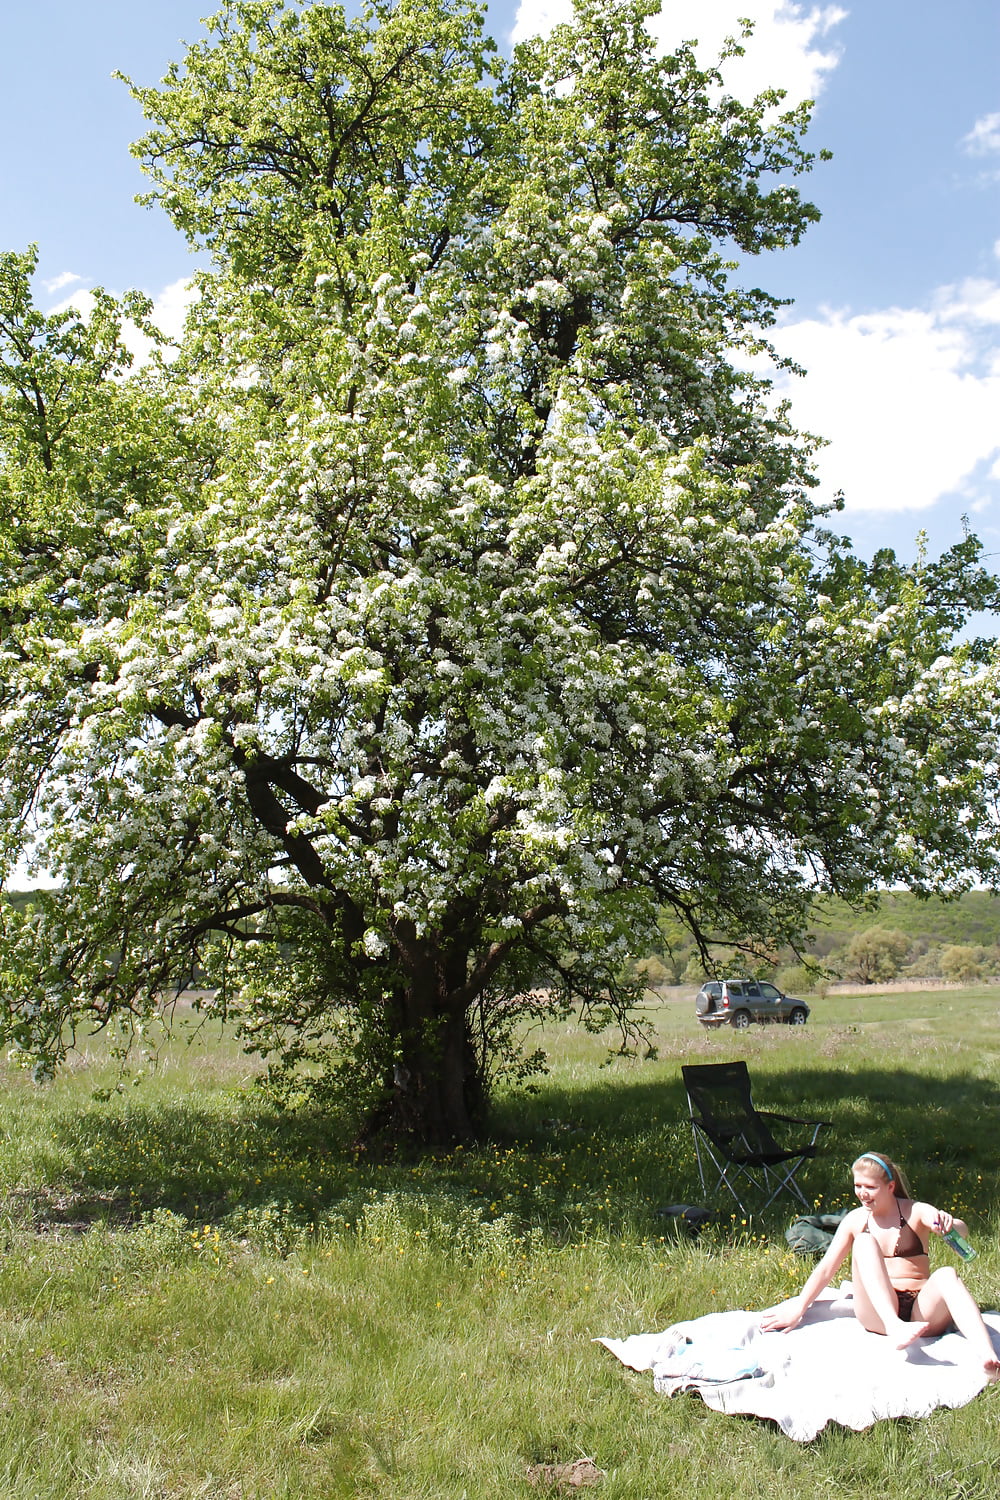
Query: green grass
pixel 202 1297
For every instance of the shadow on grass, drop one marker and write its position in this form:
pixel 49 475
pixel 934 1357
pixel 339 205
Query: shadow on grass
pixel 565 1162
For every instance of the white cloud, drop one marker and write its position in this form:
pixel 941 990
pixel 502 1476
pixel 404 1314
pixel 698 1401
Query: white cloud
pixel 537 17
pixel 974 301
pixel 908 398
pixel 169 311
pixel 81 300
pixel 170 308
pixel 784 52
pixel 984 137
pixel 58 283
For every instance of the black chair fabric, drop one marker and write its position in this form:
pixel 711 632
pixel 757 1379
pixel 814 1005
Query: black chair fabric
pixel 741 1141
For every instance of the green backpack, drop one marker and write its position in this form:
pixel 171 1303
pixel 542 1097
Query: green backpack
pixel 812 1234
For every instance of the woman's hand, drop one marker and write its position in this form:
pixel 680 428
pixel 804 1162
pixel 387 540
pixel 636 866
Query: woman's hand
pixel 783 1317
pixel 943 1222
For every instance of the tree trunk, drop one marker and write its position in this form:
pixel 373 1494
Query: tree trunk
pixel 436 1095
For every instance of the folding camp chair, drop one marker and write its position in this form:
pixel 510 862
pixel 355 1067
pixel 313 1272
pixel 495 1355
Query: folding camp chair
pixel 737 1138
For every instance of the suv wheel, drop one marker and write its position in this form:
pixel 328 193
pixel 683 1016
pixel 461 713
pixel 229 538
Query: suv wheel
pixel 741 1020
pixel 797 1017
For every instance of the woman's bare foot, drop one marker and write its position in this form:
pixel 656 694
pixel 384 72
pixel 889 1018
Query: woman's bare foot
pixel 907 1333
pixel 992 1368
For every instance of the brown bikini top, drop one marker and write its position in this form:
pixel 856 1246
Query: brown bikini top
pixel 902 1251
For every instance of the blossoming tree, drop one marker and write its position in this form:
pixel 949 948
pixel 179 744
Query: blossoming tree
pixel 453 602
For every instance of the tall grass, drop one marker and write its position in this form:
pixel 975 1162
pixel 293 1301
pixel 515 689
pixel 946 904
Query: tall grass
pixel 202 1297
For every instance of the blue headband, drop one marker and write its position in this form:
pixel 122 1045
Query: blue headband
pixel 870 1156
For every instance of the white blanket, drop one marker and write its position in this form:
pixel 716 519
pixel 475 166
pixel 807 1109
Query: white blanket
pixel 826 1370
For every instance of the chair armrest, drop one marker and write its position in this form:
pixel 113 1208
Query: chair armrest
pixel 769 1114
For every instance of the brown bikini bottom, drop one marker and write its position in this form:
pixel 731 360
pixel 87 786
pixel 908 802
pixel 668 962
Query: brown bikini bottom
pixel 906 1301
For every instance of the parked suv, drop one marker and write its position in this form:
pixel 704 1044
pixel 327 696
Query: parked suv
pixel 737 1002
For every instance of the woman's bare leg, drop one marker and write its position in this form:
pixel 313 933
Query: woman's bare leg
pixel 875 1304
pixel 944 1300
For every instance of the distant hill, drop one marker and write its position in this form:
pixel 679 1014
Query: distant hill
pixel 972 919
pixel 933 927
pixel 20 899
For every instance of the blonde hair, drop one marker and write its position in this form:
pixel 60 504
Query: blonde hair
pixel 889 1167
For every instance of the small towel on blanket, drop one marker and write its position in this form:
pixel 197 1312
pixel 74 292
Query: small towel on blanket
pixel 829 1369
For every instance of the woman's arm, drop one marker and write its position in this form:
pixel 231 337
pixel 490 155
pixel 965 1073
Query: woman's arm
pixel 789 1314
pixel 938 1220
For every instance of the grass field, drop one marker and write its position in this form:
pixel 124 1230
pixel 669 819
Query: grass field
pixel 204 1298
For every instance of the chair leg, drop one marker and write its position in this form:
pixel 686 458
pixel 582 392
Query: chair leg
pixel 701 1170
pixel 722 1174
pixel 723 1177
pixel 786 1183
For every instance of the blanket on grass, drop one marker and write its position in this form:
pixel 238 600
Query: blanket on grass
pixel 826 1370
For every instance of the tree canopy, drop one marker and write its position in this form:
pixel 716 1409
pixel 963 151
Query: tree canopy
pixel 453 603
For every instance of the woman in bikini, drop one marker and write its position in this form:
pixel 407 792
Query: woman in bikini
pixel 895 1292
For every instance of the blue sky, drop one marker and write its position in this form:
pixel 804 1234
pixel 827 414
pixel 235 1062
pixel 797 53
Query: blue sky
pixel 897 291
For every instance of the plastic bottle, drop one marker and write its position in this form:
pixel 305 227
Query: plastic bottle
pixel 959 1244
